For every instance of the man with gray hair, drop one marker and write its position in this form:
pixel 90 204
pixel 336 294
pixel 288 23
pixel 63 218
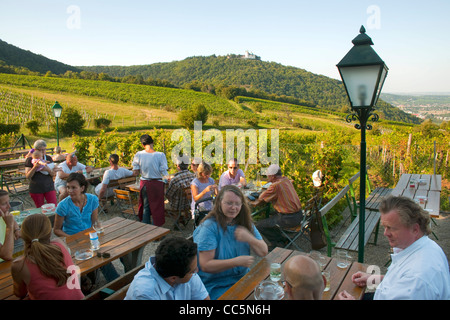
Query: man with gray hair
pixel 67 167
pixel 419 268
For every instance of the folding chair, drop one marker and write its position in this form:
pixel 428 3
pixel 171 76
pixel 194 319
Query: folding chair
pixel 182 212
pixel 128 206
pixel 198 214
pixel 293 233
pixel 117 183
pixel 17 188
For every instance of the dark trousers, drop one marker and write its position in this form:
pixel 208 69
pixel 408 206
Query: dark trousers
pixel 268 229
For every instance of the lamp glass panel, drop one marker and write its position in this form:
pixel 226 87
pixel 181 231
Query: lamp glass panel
pixel 380 86
pixel 57 112
pixel 360 83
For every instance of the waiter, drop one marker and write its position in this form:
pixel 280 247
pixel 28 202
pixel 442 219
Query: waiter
pixel 152 166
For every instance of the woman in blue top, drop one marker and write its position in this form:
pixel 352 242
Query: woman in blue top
pixel 224 240
pixel 78 211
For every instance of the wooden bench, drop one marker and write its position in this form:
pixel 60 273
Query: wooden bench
pixel 116 289
pixel 350 238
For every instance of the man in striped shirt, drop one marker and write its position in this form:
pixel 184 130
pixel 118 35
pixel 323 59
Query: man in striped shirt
pixel 175 191
pixel 284 199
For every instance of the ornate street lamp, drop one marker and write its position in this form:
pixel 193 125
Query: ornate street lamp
pixel 363 74
pixel 57 109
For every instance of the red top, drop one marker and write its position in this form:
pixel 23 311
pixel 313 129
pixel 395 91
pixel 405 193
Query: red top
pixel 44 288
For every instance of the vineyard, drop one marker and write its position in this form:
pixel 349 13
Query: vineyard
pixel 309 139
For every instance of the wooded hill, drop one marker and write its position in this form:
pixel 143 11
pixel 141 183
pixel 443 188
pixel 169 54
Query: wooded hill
pixel 227 77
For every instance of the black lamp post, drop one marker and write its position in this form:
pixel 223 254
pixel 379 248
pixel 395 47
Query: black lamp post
pixel 57 109
pixel 363 74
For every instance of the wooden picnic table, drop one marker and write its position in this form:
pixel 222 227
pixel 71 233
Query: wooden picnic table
pixel 340 279
pixel 121 238
pixel 14 163
pixel 427 185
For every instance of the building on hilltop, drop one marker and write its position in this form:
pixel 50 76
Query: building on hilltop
pixel 247 55
pixel 250 55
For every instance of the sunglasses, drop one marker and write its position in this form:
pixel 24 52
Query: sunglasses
pixel 232 167
pixel 103 254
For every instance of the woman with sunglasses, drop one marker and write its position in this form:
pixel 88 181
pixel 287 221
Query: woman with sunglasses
pixel 224 238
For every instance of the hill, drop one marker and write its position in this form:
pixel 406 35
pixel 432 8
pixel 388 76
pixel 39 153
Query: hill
pixel 14 56
pixel 256 78
pixel 225 76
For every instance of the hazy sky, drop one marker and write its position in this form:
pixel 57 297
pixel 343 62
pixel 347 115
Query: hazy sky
pixel 411 36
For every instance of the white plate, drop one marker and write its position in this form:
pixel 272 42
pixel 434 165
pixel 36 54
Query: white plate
pixel 84 254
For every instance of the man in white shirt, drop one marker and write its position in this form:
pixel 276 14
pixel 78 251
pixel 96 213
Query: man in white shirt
pixel 67 167
pixel 419 268
pixel 233 175
pixel 115 173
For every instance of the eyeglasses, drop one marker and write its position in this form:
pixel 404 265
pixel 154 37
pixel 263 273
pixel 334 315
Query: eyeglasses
pixel 193 164
pixel 103 254
pixel 230 204
pixel 234 168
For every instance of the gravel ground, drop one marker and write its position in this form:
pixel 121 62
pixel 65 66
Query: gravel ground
pixel 374 254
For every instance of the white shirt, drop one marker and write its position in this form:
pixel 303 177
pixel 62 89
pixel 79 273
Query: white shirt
pixel 112 174
pixel 419 272
pixel 151 165
pixel 64 168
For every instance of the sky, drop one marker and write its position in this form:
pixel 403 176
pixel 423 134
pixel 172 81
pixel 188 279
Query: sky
pixel 411 36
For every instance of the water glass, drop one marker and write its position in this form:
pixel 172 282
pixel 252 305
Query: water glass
pixel 326 274
pixel 275 272
pixel 98 227
pixel 342 259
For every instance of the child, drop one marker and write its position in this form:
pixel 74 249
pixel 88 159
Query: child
pixel 37 158
pixel 9 229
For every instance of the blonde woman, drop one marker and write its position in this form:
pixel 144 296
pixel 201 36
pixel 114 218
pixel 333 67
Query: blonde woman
pixel 203 187
pixel 42 272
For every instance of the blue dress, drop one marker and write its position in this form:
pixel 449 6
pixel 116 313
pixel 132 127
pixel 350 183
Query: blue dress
pixel 208 236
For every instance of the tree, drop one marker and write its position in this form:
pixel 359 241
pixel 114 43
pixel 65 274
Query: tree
pixel 71 121
pixel 187 117
pixel 33 126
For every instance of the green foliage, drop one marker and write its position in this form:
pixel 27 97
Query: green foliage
pixel 71 121
pixel 9 128
pixel 33 126
pixel 102 123
pixel 189 116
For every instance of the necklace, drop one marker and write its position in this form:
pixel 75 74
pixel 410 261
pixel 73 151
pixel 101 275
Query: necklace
pixel 83 204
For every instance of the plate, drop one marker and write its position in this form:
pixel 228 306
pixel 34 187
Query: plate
pixel 84 254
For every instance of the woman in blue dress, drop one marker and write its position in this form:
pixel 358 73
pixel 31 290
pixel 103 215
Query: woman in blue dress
pixel 224 239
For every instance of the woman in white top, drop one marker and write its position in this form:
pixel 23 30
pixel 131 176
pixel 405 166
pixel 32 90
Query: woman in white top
pixel 152 166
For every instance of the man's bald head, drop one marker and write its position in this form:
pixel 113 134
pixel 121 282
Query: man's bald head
pixel 304 278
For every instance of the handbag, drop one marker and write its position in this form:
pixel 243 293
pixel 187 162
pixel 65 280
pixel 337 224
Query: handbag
pixel 317 233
